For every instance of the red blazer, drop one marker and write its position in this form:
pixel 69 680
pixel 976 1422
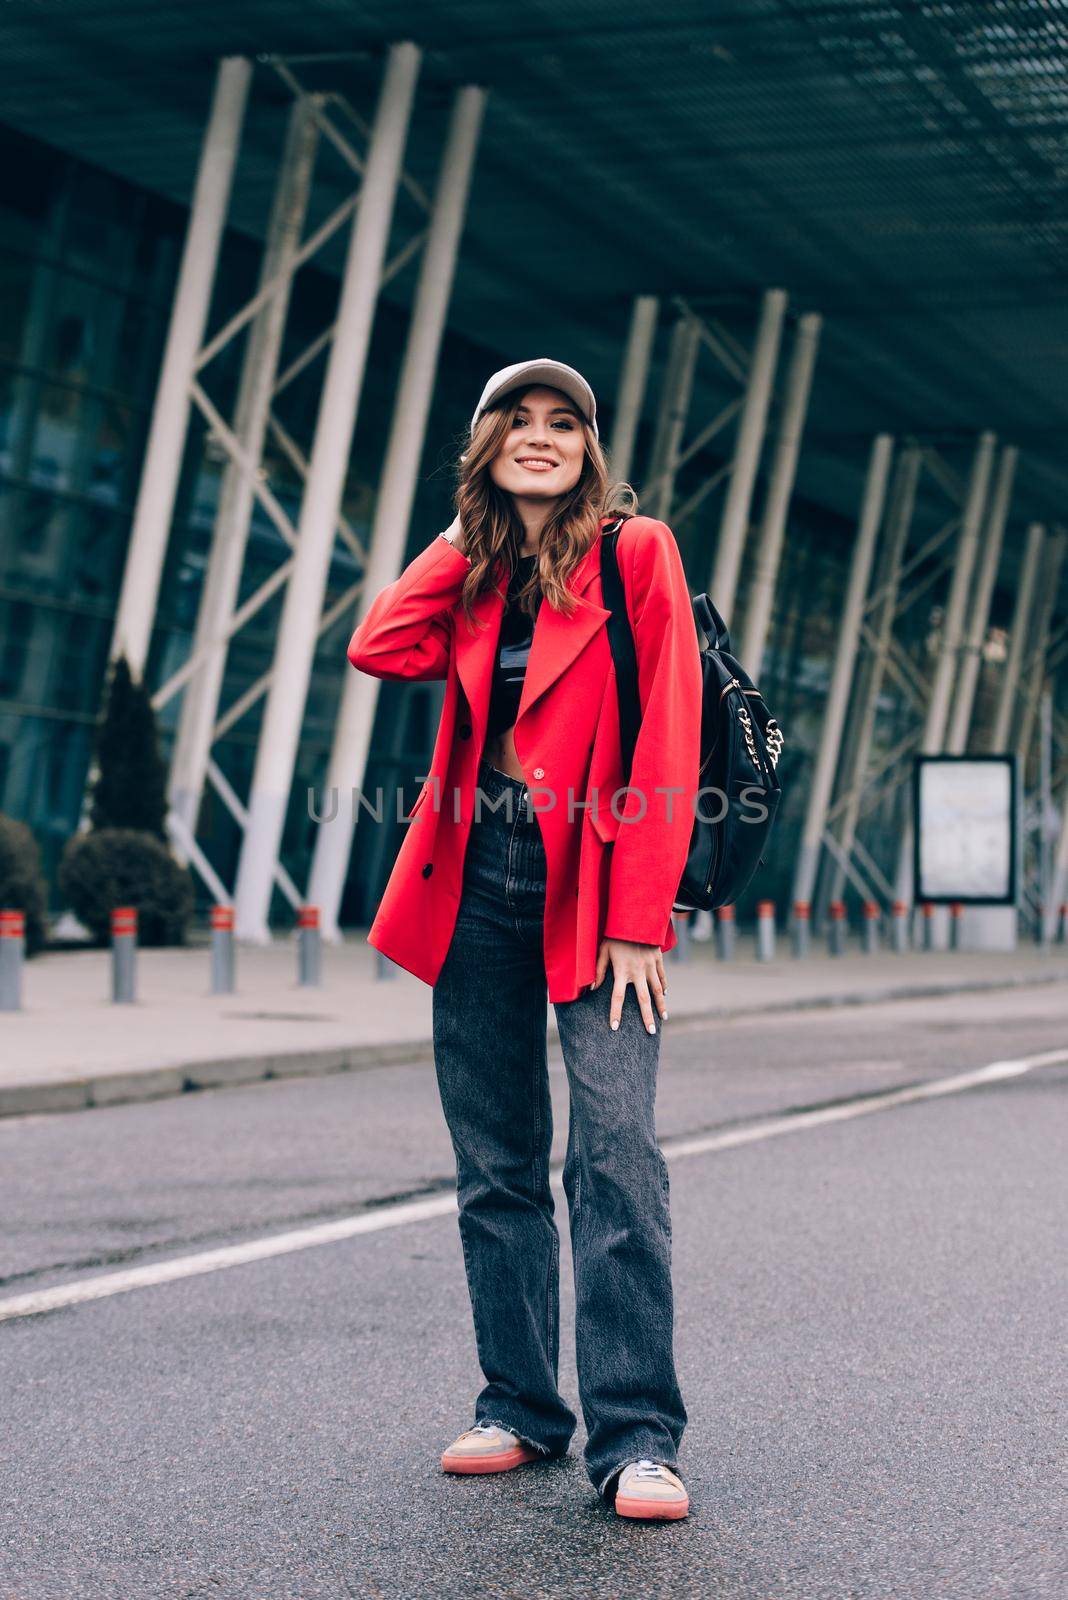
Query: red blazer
pixel 607 875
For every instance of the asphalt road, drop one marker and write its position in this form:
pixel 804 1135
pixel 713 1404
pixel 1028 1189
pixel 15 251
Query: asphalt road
pixel 871 1337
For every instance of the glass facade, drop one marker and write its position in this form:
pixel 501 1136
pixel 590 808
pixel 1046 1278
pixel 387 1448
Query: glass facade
pixel 87 272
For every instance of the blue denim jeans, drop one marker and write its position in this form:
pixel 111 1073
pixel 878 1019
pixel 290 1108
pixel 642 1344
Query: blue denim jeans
pixel 490 1021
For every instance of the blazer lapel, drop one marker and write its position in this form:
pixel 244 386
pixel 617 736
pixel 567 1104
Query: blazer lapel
pixel 557 641
pixel 475 652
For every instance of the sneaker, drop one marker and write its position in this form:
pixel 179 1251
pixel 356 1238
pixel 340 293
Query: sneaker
pixel 649 1489
pixel 487 1448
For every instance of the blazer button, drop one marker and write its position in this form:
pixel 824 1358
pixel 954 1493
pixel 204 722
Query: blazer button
pixel 465 731
pixel 428 869
pixel 539 772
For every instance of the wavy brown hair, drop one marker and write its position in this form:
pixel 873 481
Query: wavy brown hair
pixel 492 530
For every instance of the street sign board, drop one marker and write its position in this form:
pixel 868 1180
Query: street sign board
pixel 965 829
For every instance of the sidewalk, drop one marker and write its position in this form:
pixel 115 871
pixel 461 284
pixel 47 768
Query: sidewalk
pixel 70 1047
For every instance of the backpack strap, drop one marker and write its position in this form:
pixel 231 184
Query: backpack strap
pixel 710 622
pixel 621 643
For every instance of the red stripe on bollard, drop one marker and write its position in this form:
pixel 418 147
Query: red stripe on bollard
pixel 927 908
pixel 802 910
pixel 308 917
pixel 222 917
pixel 765 908
pixel 871 910
pixel 900 908
pixel 12 924
pixel 725 913
pixel 124 919
pixel 837 910
pixel 955 908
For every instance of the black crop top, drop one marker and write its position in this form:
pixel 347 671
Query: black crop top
pixel 513 648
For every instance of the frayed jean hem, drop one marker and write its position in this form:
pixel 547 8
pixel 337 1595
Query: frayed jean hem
pixel 498 1422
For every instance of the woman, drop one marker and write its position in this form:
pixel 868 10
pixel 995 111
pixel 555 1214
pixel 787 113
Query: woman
pixel 528 873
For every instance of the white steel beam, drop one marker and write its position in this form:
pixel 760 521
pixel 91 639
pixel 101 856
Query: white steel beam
pixel 1059 886
pixel 822 780
pixel 883 603
pixel 1038 645
pixel 1021 617
pixel 934 730
pixel 672 414
pixel 393 509
pixel 170 413
pixel 298 629
pixel 959 589
pixel 972 645
pixel 222 581
pixel 735 522
pixel 632 382
pixel 780 487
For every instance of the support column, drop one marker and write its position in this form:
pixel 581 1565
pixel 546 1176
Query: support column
pixel 780 488
pixel 735 523
pixel 934 731
pixel 990 557
pixel 200 701
pixel 902 503
pixel 298 629
pixel 632 382
pixel 389 537
pixel 842 675
pixel 1058 892
pixel 170 413
pixel 1038 640
pixel 671 418
pixel 1021 616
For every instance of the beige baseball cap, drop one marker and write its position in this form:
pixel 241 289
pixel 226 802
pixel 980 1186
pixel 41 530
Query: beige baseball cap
pixel 554 374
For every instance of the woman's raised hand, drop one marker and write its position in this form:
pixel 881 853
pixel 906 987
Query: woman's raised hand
pixel 639 964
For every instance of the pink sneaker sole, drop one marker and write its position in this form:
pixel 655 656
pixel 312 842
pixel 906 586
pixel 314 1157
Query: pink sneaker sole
pixel 498 1463
pixel 653 1510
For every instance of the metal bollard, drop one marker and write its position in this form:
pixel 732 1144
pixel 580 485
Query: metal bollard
pixel 900 915
pixel 927 910
pixel 681 950
pixel 12 949
pixel 802 913
pixel 384 967
pixel 765 930
pixel 726 932
pixel 309 947
pixel 955 910
pixel 222 949
pixel 124 954
pixel 838 930
pixel 871 927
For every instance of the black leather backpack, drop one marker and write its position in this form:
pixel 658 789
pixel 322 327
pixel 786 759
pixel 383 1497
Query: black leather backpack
pixel 739 794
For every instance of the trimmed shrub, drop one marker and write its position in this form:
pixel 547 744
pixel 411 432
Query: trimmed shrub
pixel 126 867
pixel 130 789
pixel 22 886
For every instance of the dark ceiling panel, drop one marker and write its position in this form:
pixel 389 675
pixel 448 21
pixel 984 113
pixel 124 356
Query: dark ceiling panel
pixel 900 165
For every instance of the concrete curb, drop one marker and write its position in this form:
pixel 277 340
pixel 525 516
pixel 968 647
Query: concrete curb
pixel 158 1083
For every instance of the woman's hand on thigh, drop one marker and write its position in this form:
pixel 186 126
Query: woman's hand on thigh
pixel 639 964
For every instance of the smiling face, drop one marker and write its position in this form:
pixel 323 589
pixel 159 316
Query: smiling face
pixel 543 450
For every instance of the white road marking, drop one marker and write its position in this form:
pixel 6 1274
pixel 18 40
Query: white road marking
pixel 772 1127
pixel 397 1216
